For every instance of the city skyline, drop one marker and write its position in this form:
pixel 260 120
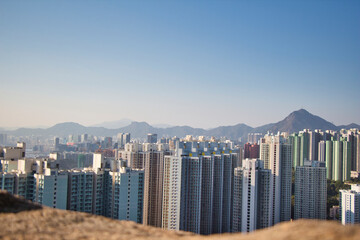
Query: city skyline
pixel 202 186
pixel 222 63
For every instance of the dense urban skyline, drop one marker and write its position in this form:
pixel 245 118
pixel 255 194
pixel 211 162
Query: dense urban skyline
pixel 221 63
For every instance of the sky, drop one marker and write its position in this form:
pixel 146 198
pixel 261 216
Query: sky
pixel 197 63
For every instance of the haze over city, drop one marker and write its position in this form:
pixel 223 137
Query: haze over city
pixel 197 63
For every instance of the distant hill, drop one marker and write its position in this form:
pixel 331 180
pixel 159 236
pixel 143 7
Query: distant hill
pixel 299 120
pixel 114 124
pixel 138 129
pixel 349 126
pixel 232 132
pixel 162 125
pixel 296 121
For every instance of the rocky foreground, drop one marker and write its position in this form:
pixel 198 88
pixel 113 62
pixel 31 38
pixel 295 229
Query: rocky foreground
pixel 20 219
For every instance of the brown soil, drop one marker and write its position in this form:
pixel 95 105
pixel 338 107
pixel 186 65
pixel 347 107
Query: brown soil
pixel 29 221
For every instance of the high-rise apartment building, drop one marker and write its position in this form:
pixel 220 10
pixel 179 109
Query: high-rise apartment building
pixel 276 154
pixel 84 137
pixel 122 139
pixel 12 154
pixel 20 179
pixel 254 137
pixel 251 150
pixel 151 138
pixel 134 155
pixel 207 184
pixel 300 143
pixel 172 191
pixel 329 159
pixel 190 193
pixel 126 194
pixel 3 139
pixel 314 138
pixel 101 167
pixel 349 202
pixel 341 160
pixel 352 137
pixel 322 151
pixel 81 190
pixel 7 182
pixel 153 188
pixel 310 190
pixel 206 187
pixel 251 196
pixel 51 188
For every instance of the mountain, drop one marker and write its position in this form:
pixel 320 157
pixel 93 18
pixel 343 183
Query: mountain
pixel 114 124
pixel 32 221
pixel 66 127
pixel 300 120
pixel 162 125
pixel 349 126
pixel 138 129
pixel 296 121
pixel 233 132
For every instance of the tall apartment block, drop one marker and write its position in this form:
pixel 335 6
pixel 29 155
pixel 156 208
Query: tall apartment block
pixel 203 172
pixel 151 138
pixel 276 154
pixel 172 191
pixel 122 139
pixel 340 151
pixel 19 181
pixel 251 150
pixel 322 151
pixel 341 160
pixel 314 138
pixel 338 159
pixel 81 190
pixel 300 143
pixel 10 155
pixel 207 185
pixel 190 193
pixel 305 145
pixel 3 139
pixel 349 202
pixel 126 194
pixel 254 137
pixel 310 190
pixel 353 136
pixel 101 167
pixel 133 154
pixel 251 196
pixel 50 186
pixel 153 186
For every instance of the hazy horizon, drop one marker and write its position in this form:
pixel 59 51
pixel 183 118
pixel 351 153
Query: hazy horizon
pixel 197 63
pixel 157 125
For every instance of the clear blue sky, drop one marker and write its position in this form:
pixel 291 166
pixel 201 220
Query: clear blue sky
pixel 197 63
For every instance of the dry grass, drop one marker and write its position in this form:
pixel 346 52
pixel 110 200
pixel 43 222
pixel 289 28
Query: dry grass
pixel 47 223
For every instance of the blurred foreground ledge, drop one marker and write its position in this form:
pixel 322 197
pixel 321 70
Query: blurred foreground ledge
pixel 21 219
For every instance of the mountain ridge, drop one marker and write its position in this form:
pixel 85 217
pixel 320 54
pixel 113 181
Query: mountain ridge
pixel 294 122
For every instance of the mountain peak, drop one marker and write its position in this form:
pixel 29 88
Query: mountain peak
pixel 300 112
pixel 302 119
pixel 134 123
pixel 68 124
pixel 114 124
